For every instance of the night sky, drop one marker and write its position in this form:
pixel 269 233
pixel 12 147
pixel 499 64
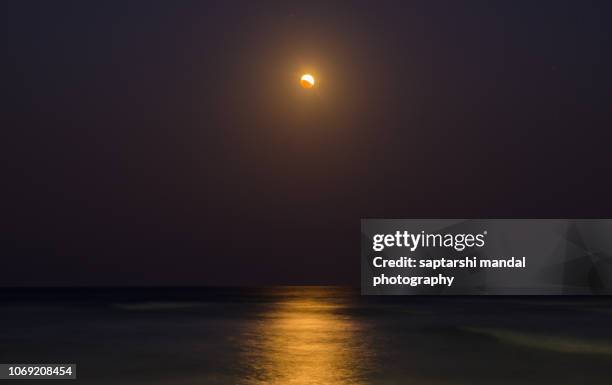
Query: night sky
pixel 169 143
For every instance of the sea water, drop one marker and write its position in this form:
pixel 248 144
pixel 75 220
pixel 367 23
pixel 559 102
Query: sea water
pixel 309 335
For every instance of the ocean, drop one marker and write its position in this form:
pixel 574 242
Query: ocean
pixel 306 335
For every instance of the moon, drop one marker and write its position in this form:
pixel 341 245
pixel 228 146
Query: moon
pixel 307 81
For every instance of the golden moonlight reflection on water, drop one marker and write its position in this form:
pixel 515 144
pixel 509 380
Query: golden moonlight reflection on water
pixel 305 341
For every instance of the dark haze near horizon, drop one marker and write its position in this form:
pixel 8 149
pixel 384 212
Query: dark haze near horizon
pixel 150 143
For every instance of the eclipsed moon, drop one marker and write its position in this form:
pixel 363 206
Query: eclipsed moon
pixel 307 81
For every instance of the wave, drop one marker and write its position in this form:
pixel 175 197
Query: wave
pixel 158 305
pixel 546 342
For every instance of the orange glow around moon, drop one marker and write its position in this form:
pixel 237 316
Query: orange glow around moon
pixel 307 81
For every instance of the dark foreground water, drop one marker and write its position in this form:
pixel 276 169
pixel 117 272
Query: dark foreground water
pixel 301 336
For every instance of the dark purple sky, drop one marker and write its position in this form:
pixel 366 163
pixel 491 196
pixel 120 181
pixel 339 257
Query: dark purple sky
pixel 169 143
